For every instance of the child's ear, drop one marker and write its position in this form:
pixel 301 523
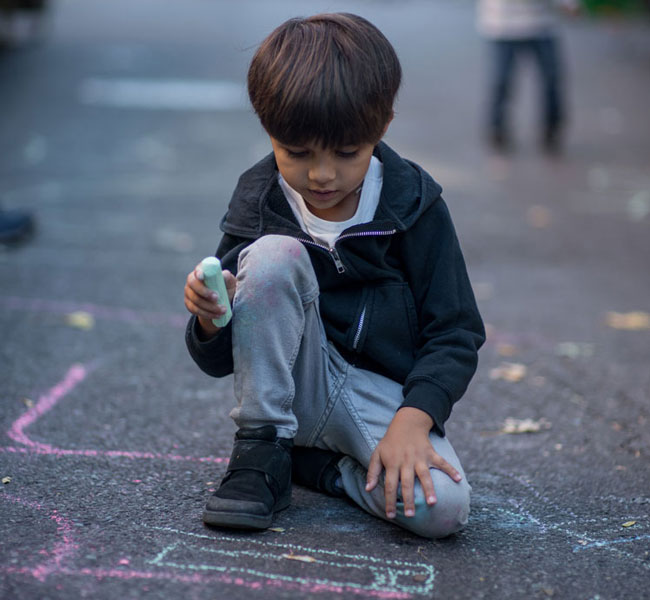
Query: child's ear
pixel 392 114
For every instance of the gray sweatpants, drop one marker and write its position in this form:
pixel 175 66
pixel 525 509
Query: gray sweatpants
pixel 287 374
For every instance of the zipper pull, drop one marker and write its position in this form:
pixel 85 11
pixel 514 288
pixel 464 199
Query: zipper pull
pixel 337 260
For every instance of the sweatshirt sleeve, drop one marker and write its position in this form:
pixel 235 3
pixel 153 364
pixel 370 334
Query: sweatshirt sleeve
pixel 450 327
pixel 214 356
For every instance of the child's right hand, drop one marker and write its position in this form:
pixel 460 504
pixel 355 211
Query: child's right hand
pixel 202 302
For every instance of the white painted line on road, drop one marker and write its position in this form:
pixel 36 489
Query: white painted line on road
pixel 165 94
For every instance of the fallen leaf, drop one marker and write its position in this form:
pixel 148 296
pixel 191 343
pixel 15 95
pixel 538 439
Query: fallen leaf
pixel 420 577
pixel 277 529
pixel 628 524
pixel 299 557
pixel 507 371
pixel 511 425
pixel 631 321
pixel 506 349
pixel 574 349
pixel 80 320
pixel 6 480
pixel 28 403
pixel 577 399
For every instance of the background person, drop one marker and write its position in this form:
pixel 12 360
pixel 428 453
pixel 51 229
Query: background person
pixel 516 28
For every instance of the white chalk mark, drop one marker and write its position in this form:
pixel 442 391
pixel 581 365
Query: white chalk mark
pixel 164 94
pixel 604 543
pixel 388 578
pixel 521 518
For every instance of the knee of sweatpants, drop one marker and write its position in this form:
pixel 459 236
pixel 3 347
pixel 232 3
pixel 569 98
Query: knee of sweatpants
pixel 273 259
pixel 448 515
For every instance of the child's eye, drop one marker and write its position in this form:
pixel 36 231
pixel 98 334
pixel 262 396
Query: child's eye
pixel 297 153
pixel 347 153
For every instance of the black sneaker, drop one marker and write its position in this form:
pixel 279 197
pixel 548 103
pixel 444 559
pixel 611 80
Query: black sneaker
pixel 317 469
pixel 257 483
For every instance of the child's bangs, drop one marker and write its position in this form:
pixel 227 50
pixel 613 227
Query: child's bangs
pixel 324 117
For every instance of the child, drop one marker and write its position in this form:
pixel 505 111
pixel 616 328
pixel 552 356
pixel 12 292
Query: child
pixel 354 325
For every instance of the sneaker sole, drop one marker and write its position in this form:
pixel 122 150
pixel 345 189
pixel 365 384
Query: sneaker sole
pixel 235 520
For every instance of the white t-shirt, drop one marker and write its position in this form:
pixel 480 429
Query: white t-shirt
pixel 326 232
pixel 518 19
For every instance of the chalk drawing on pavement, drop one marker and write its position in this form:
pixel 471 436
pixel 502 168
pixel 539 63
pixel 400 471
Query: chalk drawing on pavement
pixel 530 511
pixel 354 572
pixel 210 559
pixel 75 375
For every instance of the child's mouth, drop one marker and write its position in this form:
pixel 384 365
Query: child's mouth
pixel 323 195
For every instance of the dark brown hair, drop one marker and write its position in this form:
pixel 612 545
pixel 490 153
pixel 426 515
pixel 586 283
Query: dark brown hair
pixel 329 79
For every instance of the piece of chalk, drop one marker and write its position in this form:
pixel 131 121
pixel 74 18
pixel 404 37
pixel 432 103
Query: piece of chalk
pixel 213 278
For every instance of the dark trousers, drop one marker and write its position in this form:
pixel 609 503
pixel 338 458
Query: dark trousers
pixel 545 52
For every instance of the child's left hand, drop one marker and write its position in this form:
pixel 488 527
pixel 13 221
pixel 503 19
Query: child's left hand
pixel 405 452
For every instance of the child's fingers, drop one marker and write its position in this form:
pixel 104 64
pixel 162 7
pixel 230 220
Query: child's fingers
pixel 231 284
pixel 198 287
pixel 201 304
pixel 374 470
pixel 407 483
pixel 199 292
pixel 445 467
pixel 424 475
pixel 391 481
pixel 201 309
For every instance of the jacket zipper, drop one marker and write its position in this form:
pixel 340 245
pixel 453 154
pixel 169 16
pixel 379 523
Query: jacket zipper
pixel 340 267
pixel 357 335
pixel 333 252
pixel 367 233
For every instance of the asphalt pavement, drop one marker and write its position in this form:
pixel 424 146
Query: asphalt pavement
pixel 123 129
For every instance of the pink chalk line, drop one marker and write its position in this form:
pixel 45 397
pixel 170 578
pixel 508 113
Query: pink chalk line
pixel 75 375
pixel 197 578
pixel 132 454
pixel 66 548
pixel 63 549
pixel 100 312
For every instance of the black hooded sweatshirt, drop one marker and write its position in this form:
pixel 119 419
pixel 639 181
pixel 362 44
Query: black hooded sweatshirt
pixel 395 297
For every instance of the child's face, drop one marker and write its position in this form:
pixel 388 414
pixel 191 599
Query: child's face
pixel 329 180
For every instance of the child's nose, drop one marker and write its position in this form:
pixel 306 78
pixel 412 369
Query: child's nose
pixel 322 172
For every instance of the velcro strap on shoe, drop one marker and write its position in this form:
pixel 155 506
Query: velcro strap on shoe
pixel 266 457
